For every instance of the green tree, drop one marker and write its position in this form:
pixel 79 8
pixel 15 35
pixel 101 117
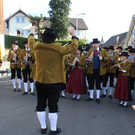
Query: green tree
pixel 35 20
pixel 59 17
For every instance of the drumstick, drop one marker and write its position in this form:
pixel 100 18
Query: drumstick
pixel 63 23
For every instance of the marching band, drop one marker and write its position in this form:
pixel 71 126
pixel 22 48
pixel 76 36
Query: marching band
pixel 80 71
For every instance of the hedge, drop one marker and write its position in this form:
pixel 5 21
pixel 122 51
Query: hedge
pixel 10 39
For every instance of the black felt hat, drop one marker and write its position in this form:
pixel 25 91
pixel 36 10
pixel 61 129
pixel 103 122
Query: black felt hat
pixel 15 42
pixel 129 47
pixel 124 54
pixel 120 47
pixel 49 32
pixel 111 47
pixel 95 40
pixel 132 50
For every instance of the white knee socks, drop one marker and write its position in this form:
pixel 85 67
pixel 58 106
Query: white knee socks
pixel 53 121
pixel 110 90
pixel 104 90
pixel 14 83
pixel 32 87
pixel 42 119
pixel 91 94
pixel 26 87
pixel 19 83
pixel 98 93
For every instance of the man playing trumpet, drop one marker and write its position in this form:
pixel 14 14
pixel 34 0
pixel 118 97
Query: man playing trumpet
pixel 97 68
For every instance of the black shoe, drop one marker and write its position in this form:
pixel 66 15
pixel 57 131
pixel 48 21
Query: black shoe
pixel 33 94
pixel 55 132
pixel 74 98
pixel 63 96
pixel 43 131
pixel 110 96
pixel 98 100
pixel 103 95
pixel 89 99
pixel 25 93
pixel 19 90
pixel 14 90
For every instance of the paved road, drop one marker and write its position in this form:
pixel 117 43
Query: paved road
pixel 18 117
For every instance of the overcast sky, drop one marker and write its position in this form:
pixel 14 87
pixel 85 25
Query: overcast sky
pixel 103 17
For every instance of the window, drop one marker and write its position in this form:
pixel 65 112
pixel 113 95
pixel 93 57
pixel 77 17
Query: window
pixel 22 19
pixel 17 19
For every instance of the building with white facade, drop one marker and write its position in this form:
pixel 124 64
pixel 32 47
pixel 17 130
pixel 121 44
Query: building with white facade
pixel 18 24
pixel 130 39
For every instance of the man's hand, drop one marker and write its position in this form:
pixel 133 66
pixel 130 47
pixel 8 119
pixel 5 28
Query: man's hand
pixel 71 31
pixel 0 64
pixel 100 58
pixel 32 30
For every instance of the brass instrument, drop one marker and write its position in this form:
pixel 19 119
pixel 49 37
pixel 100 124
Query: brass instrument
pixel 90 60
pixel 27 60
pixel 15 55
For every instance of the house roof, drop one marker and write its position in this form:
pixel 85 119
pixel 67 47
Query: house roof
pixel 19 11
pixel 115 40
pixel 81 24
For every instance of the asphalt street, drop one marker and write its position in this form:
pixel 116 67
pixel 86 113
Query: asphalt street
pixel 18 116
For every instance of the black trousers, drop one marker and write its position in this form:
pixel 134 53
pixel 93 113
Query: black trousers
pixel 94 77
pixel 26 75
pixel 132 82
pixel 111 75
pixel 48 93
pixel 13 73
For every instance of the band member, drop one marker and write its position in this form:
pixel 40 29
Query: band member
pixel 96 69
pixel 49 73
pixel 122 89
pixel 15 64
pixel 132 71
pixel 0 56
pixel 67 59
pixel 113 59
pixel 128 49
pixel 119 58
pixel 27 58
pixel 75 83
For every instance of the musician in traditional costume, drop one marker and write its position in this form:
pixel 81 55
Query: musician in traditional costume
pixel 122 88
pixel 119 49
pixel 0 56
pixel 132 71
pixel 15 64
pixel 97 68
pixel 49 73
pixel 27 59
pixel 76 84
pixel 113 59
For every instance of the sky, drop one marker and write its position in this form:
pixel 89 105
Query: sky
pixel 103 17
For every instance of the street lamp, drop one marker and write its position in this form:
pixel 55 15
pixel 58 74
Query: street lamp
pixel 77 22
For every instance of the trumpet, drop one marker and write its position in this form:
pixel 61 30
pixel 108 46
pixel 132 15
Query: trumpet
pixel 15 55
pixel 90 60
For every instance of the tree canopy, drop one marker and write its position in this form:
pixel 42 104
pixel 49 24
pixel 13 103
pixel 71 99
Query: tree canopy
pixel 59 17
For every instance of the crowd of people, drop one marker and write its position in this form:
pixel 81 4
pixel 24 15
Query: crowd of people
pixel 73 69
